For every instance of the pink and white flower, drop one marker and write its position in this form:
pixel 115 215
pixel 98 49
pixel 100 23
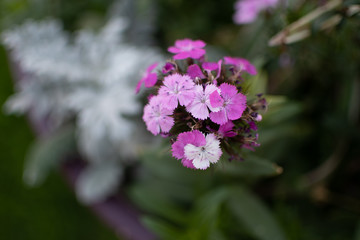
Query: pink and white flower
pixel 200 106
pixel 233 104
pixel 156 117
pixel 187 48
pixel 149 78
pixel 177 89
pixel 196 150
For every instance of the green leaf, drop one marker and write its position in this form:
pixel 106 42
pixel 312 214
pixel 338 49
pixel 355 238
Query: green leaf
pixel 155 201
pixel 280 110
pixel 254 215
pixel 256 84
pixel 205 218
pixel 252 167
pixel 46 154
pixel 161 228
pixel 357 232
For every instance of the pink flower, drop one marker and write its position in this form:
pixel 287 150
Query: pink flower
pixel 233 106
pixel 247 10
pixel 226 130
pixel 149 78
pixel 212 66
pixel 188 48
pixel 199 106
pixel 195 150
pixel 194 71
pixel 156 117
pixel 167 68
pixel 241 64
pixel 177 88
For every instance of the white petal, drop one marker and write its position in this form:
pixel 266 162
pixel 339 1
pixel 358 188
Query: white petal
pixel 192 152
pixel 201 164
pixel 212 147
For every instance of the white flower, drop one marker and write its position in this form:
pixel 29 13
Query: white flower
pixel 202 156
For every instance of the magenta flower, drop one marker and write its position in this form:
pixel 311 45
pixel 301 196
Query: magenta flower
pixel 149 78
pixel 195 150
pixel 177 88
pixel 188 48
pixel 241 64
pixel 213 66
pixel 226 130
pixel 233 106
pixel 248 10
pixel 156 117
pixel 199 106
pixel 167 68
pixel 194 71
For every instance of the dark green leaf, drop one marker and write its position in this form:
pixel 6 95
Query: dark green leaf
pixel 251 167
pixel 254 215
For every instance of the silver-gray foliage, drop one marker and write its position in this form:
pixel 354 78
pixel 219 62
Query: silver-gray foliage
pixel 89 76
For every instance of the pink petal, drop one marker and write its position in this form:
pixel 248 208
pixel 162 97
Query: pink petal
pixel 182 55
pixel 226 127
pixel 219 69
pixel 227 90
pixel 194 71
pixel 150 80
pixel 151 67
pixel 230 61
pixel 210 66
pixel 174 50
pixel 216 100
pixel 138 85
pixel 219 117
pixel 197 53
pixel 199 138
pixel 153 127
pixel 198 44
pixel 187 163
pixel 184 43
pixel 194 137
pixel 186 98
pixel 237 106
pixel 170 102
pixel 166 123
pixel 167 68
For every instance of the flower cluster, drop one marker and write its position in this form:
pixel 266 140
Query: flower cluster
pixel 247 10
pixel 201 105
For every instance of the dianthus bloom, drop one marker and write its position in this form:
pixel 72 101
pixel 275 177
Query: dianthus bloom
pixel 177 88
pixel 201 106
pixel 248 10
pixel 149 78
pixel 232 103
pixel 157 117
pixel 188 48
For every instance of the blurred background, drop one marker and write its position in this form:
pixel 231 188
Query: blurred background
pixel 301 183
